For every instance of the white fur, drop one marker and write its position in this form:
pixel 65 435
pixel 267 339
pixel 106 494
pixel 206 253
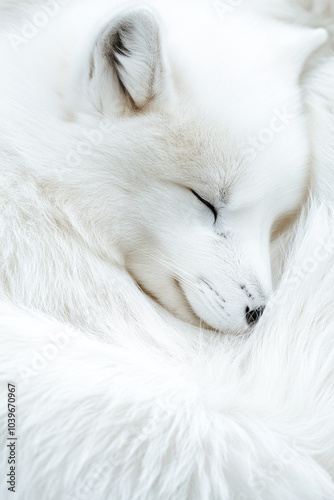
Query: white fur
pixel 166 410
pixel 251 421
pixel 125 207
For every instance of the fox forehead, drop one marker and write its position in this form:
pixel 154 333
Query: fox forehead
pixel 187 149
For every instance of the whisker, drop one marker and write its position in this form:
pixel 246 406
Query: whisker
pixel 164 263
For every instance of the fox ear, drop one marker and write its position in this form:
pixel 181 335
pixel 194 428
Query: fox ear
pixel 127 61
pixel 300 48
pixel 312 40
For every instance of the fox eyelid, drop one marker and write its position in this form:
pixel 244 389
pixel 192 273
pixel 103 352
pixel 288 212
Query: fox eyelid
pixel 206 203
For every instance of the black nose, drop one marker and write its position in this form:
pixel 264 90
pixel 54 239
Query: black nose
pixel 253 316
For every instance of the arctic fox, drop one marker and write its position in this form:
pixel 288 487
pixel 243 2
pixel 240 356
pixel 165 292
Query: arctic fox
pixel 146 154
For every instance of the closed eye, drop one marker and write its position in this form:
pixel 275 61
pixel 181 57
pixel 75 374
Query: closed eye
pixel 207 204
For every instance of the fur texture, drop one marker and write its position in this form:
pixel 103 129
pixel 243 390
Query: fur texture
pixel 249 419
pixel 165 409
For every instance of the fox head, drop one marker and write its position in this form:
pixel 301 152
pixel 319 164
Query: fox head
pixel 187 143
